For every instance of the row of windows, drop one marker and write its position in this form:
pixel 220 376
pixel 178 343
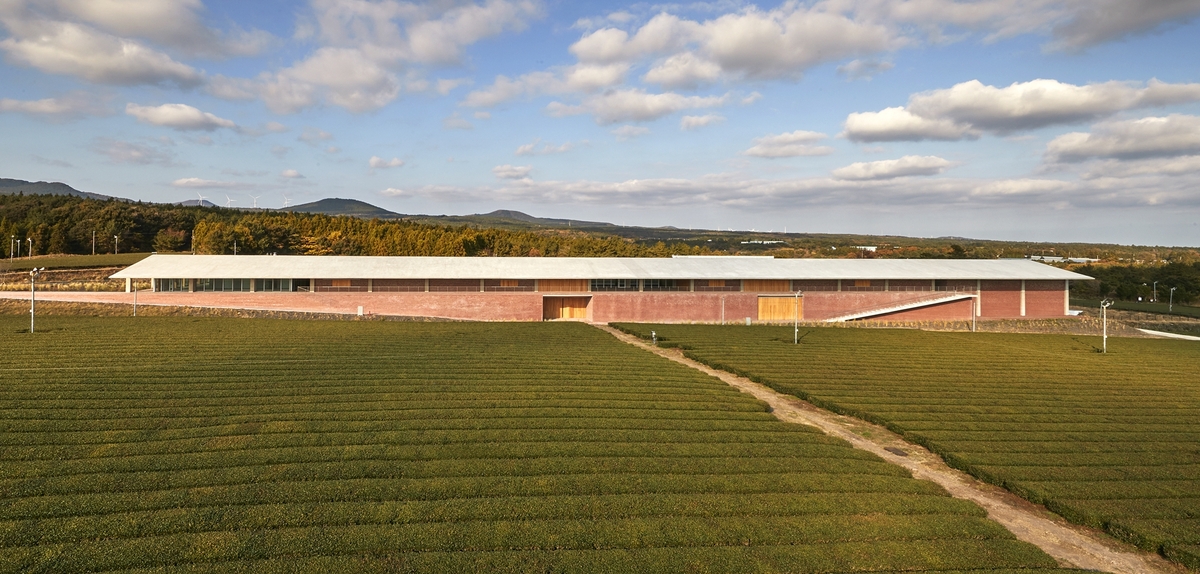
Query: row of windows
pixel 223 284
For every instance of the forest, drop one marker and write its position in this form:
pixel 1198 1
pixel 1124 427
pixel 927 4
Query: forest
pixel 60 224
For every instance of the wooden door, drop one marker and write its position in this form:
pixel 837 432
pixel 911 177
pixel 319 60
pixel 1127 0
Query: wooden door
pixel 780 309
pixel 564 308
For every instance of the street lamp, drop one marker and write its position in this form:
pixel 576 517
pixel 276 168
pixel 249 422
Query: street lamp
pixel 796 319
pixel 1172 301
pixel 114 245
pixel 1154 298
pixel 30 242
pixel 1104 305
pixel 33 275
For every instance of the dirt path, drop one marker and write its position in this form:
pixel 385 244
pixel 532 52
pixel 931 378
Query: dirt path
pixel 1071 545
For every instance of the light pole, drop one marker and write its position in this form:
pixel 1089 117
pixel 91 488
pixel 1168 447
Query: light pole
pixel 1171 304
pixel 1154 297
pixel 115 245
pixel 12 240
pixel 1104 305
pixel 93 242
pixel 30 242
pixel 796 319
pixel 33 275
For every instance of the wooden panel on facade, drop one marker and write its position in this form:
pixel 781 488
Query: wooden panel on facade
pixel 780 308
pixel 564 308
pixel 340 283
pixel 766 286
pixel 563 285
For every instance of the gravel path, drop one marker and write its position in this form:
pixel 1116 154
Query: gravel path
pixel 1072 545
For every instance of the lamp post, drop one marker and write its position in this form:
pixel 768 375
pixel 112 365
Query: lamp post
pixel 796 319
pixel 30 242
pixel 1104 305
pixel 1154 297
pixel 33 275
pixel 1171 304
pixel 115 245
pixel 93 242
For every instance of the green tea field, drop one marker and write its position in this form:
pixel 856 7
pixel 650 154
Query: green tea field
pixel 159 444
pixel 1107 440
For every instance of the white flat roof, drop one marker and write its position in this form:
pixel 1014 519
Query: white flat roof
pixel 352 267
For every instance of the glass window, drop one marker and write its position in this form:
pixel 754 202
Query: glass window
pixel 614 284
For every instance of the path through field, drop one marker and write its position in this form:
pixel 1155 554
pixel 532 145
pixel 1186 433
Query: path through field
pixel 1069 544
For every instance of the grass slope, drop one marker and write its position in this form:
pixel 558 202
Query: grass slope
pixel 202 445
pixel 1110 441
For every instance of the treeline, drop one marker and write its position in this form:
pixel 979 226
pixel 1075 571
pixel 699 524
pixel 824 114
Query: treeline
pixel 1129 282
pixel 59 224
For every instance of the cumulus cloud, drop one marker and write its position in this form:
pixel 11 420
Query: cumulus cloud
pixel 581 78
pixel 290 174
pixel 688 123
pixel 181 117
pixel 969 108
pixel 119 151
pixel 512 171
pixel 275 127
pixel 377 162
pixel 532 148
pixel 1105 20
pixel 75 50
pixel 624 133
pixel 792 144
pixel 899 124
pixel 71 106
pixel 369 51
pixel 634 105
pixel 908 165
pixel 198 183
pixel 1153 137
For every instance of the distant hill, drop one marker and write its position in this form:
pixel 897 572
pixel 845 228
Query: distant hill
pixel 509 219
pixel 15 186
pixel 195 202
pixel 338 206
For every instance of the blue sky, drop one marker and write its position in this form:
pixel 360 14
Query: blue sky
pixel 1063 120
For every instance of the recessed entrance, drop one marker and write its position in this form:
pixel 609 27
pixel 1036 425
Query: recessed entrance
pixel 565 308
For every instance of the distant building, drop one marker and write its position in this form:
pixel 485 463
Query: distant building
pixel 678 289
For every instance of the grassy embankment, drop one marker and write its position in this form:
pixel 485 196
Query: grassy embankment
pixel 1106 440
pixel 220 444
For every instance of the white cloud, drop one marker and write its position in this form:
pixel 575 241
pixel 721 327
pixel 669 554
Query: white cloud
pixel 312 136
pixel 75 50
pixel 1099 21
pixel 456 122
pixel 276 127
pixel 482 115
pixel 892 168
pixel 584 78
pixel 898 124
pixel 445 86
pixel 119 151
pixel 1153 167
pixel 546 149
pixel 793 144
pixel 1153 137
pixel 512 171
pixel 688 123
pixel 198 183
pixel 966 109
pixel 624 133
pixel 634 105
pixel 71 106
pixel 369 50
pixel 863 69
pixel 377 162
pixel 178 116
pixel 333 149
pixel 290 174
pixel 683 70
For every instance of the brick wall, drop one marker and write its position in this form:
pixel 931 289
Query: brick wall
pixel 1000 299
pixel 1045 299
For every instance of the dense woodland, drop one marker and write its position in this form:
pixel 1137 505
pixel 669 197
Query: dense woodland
pixel 1136 282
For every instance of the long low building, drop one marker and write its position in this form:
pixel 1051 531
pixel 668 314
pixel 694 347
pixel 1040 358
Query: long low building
pixel 678 289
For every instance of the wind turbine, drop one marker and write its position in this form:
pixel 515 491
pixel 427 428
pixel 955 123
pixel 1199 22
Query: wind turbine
pixel 286 201
pixel 228 202
pixel 202 198
pixel 255 198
